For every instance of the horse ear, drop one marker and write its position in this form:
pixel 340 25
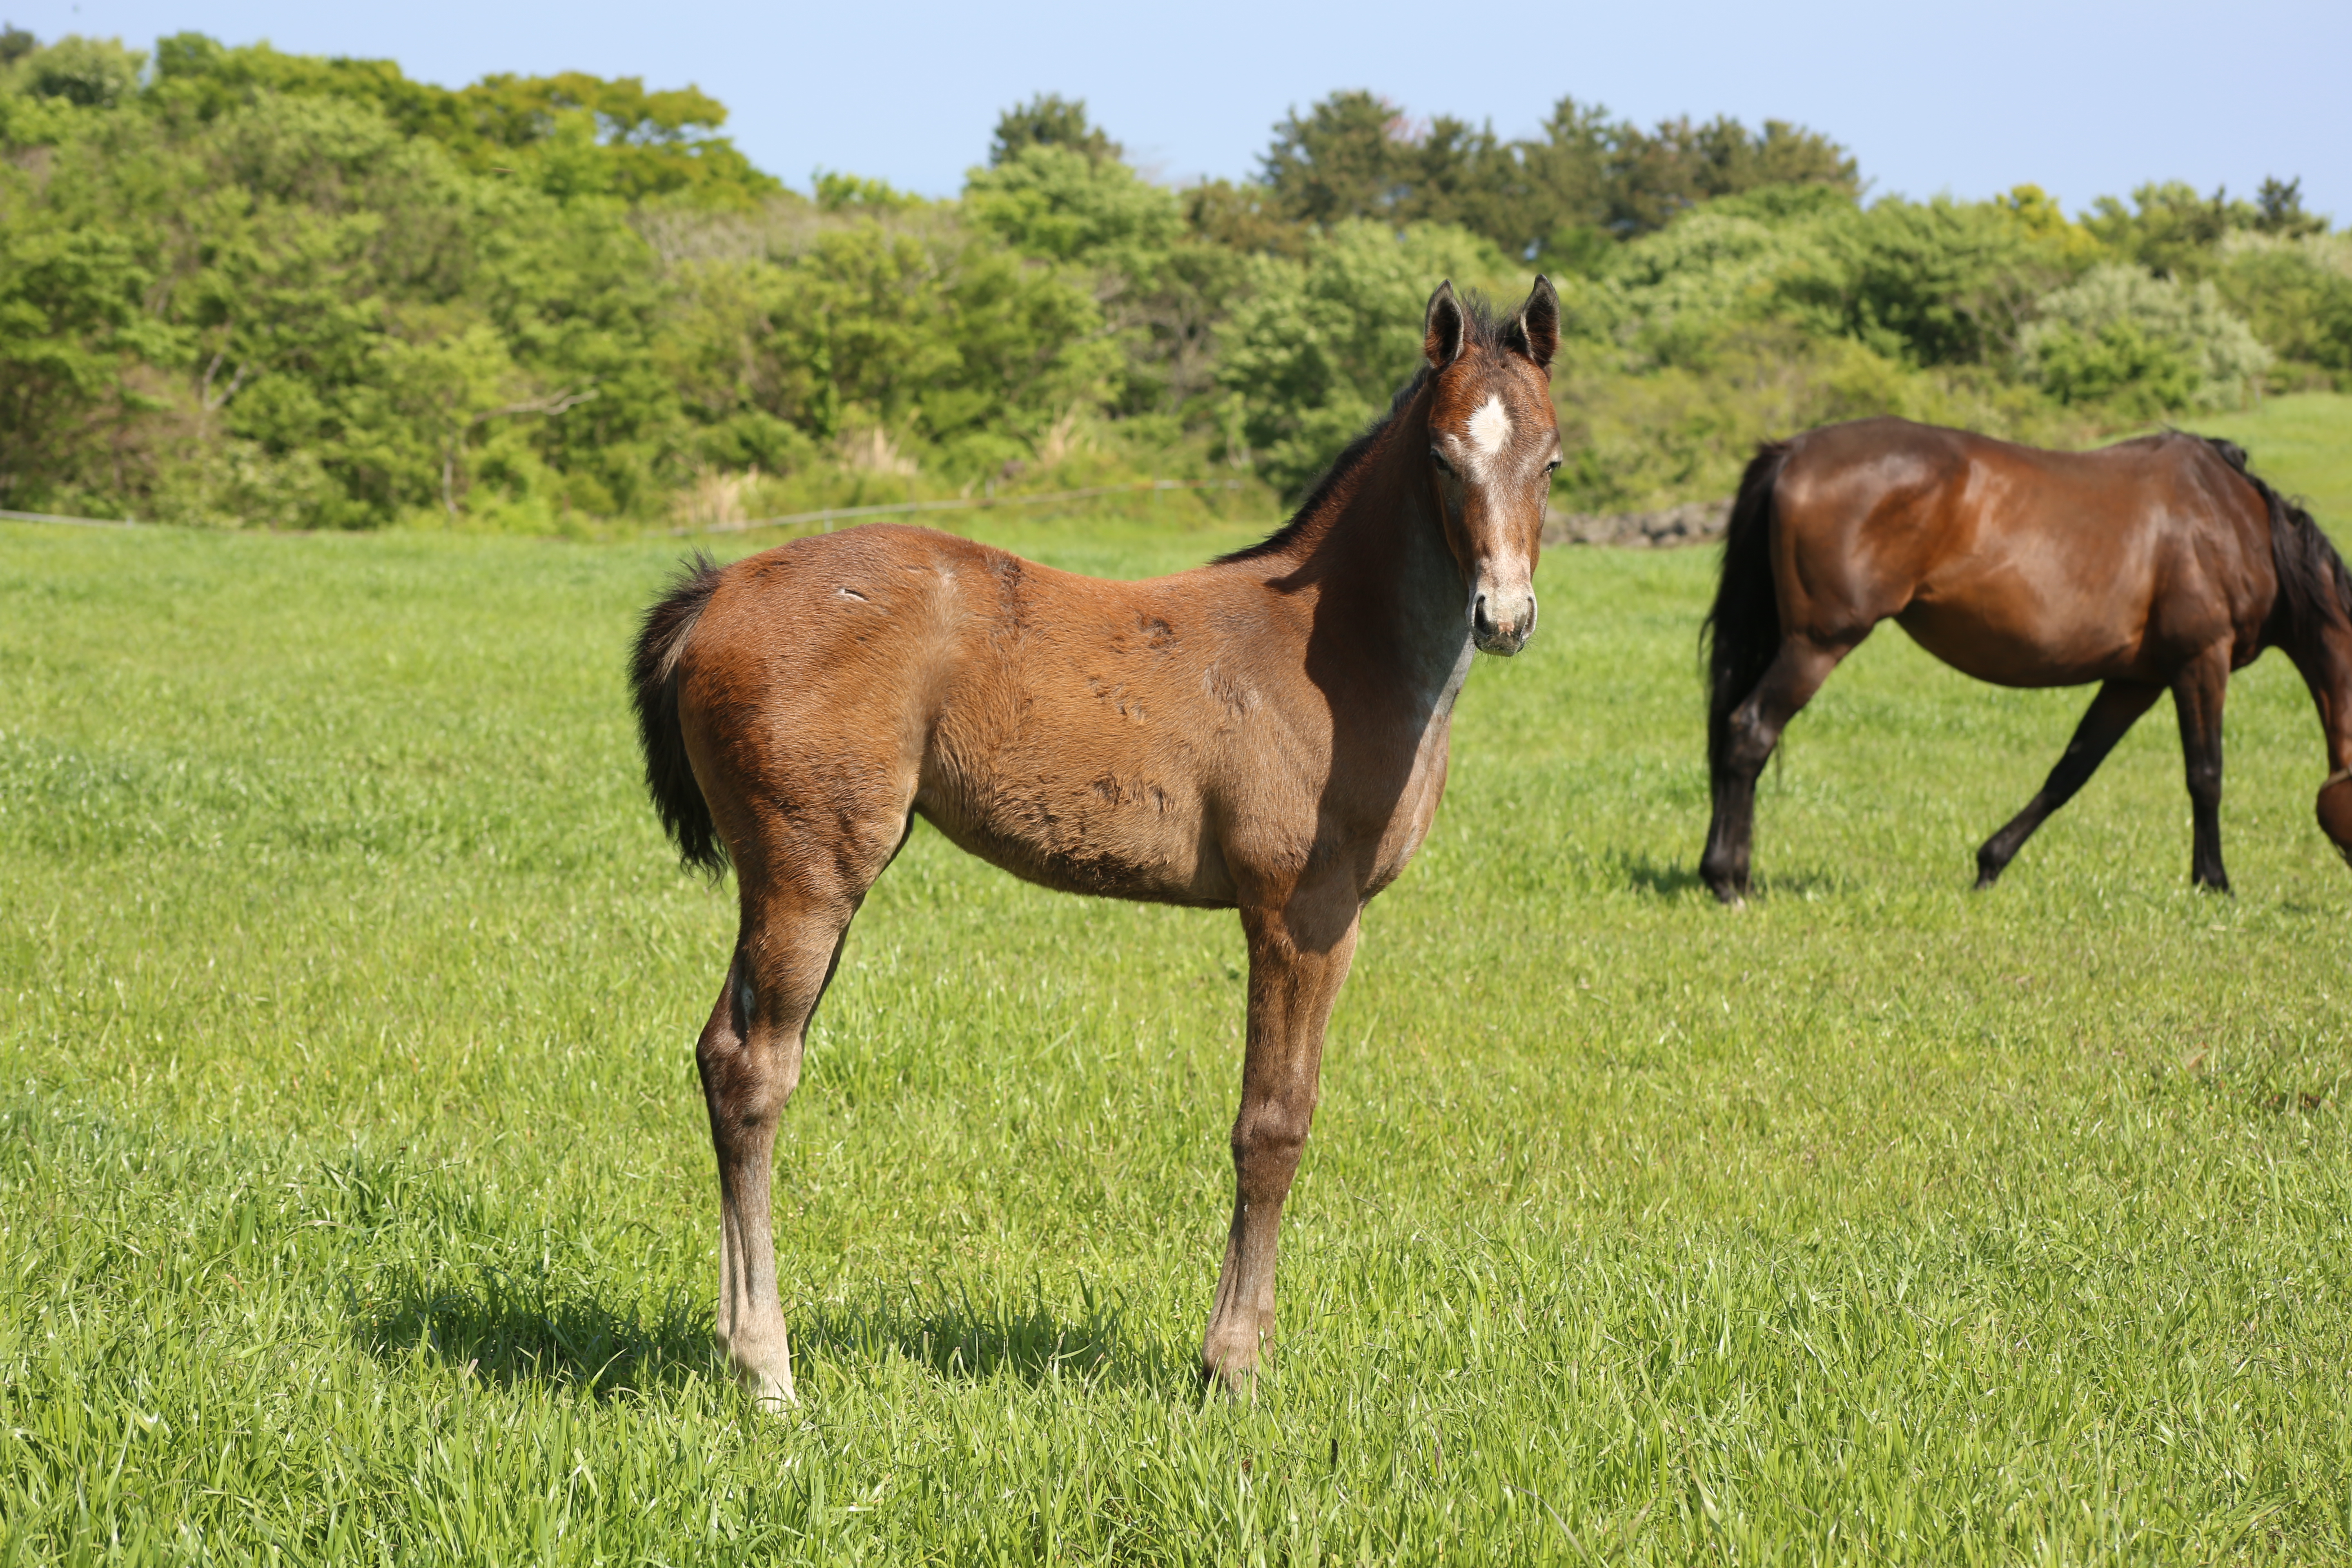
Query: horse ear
pixel 1540 322
pixel 1442 327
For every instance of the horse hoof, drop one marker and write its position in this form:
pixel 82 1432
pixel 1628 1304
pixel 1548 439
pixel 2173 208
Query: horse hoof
pixel 1232 1368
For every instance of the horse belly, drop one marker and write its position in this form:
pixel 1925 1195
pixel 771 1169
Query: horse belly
pixel 1111 837
pixel 2015 636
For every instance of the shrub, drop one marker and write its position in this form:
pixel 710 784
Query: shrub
pixel 2147 344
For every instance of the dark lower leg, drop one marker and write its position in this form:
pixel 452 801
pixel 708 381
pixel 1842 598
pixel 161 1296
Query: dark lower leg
pixel 1795 674
pixel 2110 716
pixel 2197 697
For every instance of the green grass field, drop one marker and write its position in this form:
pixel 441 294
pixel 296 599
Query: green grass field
pixel 356 1203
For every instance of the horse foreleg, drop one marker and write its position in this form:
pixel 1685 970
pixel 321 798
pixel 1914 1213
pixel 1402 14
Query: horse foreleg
pixel 2110 717
pixel 1795 673
pixel 2198 692
pixel 1299 955
pixel 749 1060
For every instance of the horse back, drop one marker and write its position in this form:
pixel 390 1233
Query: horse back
pixel 2018 565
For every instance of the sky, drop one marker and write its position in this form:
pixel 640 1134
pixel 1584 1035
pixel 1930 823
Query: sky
pixel 2082 99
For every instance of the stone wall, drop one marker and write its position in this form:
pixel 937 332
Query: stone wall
pixel 1693 522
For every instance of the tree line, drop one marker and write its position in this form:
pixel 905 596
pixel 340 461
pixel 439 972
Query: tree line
pixel 239 286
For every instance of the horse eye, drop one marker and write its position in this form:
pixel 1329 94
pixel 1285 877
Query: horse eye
pixel 1552 466
pixel 1439 458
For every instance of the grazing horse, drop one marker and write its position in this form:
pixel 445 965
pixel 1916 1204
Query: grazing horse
pixel 2154 563
pixel 1265 734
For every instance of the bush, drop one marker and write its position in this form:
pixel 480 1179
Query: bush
pixel 2296 294
pixel 2147 344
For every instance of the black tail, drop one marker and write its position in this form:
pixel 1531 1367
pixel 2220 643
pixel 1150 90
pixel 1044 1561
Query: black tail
pixel 1742 633
pixel 653 683
pixel 2314 588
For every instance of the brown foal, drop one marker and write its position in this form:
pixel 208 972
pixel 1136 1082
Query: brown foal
pixel 1265 734
pixel 2152 565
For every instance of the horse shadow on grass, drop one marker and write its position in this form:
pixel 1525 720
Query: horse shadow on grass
pixel 509 1331
pixel 1671 880
pixel 956 1340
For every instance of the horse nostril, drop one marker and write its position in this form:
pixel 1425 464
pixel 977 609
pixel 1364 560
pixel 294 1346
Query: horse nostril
pixel 1479 618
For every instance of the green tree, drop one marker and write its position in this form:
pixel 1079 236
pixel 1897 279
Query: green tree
pixel 1051 200
pixel 1939 282
pixel 2169 228
pixel 2296 294
pixel 2278 207
pixel 1345 158
pixel 95 73
pixel 1049 120
pixel 1316 349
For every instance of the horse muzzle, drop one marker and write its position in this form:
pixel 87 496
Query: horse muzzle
pixel 1501 622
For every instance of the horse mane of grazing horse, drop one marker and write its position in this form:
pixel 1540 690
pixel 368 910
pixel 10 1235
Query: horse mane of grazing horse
pixel 1265 734
pixel 2152 565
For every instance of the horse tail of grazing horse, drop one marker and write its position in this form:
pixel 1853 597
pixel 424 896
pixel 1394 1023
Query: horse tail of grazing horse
pixel 1742 632
pixel 653 683
pixel 2314 587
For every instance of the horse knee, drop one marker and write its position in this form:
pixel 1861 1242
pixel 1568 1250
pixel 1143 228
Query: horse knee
pixel 1751 743
pixel 2205 782
pixel 1268 1142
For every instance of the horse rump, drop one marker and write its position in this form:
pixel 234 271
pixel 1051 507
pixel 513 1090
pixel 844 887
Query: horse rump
pixel 653 686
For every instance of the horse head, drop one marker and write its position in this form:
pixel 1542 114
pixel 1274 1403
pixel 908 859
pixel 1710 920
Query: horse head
pixel 1494 443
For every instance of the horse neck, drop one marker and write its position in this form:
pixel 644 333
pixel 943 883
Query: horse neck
pixel 1377 554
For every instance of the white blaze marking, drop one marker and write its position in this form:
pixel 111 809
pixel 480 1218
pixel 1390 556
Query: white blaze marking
pixel 1490 427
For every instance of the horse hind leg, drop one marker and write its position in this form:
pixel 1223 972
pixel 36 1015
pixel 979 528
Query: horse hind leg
pixel 2110 717
pixel 1795 674
pixel 797 903
pixel 2197 694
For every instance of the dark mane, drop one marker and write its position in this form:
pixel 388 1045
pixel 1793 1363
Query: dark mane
pixel 1480 330
pixel 2314 587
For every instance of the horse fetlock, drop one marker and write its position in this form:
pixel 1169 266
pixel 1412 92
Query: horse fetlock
pixel 762 1361
pixel 1725 872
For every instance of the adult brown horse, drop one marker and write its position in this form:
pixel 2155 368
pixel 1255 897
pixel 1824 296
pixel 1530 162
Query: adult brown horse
pixel 2152 565
pixel 1265 734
